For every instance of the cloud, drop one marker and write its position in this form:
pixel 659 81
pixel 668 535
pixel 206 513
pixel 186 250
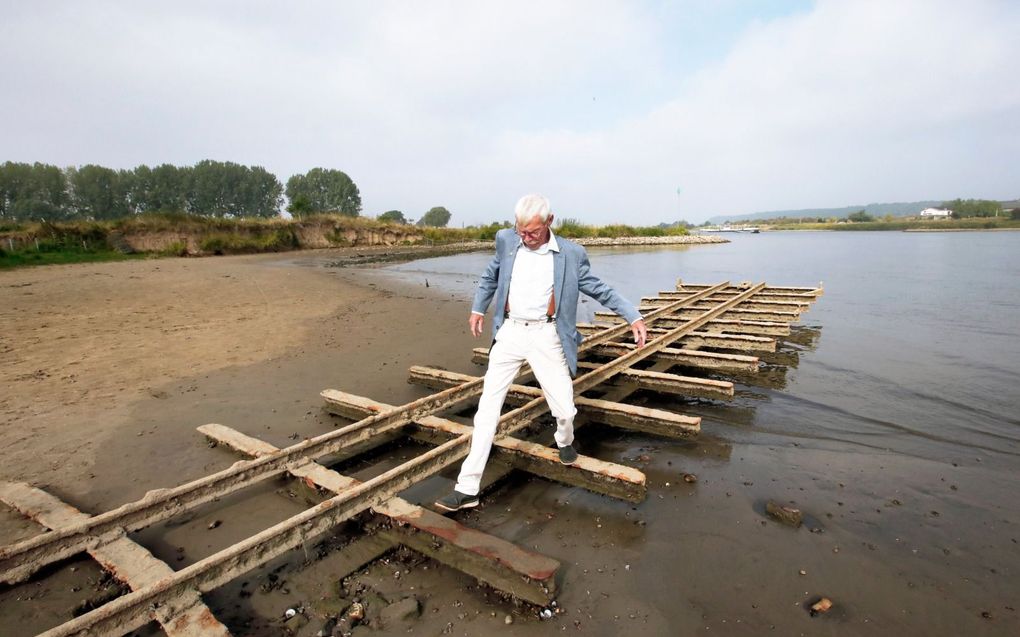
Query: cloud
pixel 849 103
pixel 469 105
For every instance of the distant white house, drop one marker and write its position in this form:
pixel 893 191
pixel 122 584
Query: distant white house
pixel 936 213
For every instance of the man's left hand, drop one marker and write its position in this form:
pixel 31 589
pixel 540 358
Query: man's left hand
pixel 640 332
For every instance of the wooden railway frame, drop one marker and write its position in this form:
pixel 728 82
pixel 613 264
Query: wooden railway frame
pixel 683 323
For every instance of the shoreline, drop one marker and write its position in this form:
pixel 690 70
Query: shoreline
pixel 104 401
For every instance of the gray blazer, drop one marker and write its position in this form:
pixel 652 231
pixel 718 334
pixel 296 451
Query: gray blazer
pixel 571 275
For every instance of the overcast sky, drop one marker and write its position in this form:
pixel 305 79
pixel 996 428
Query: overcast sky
pixel 606 107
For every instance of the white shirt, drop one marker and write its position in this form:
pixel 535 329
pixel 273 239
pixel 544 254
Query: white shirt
pixel 531 282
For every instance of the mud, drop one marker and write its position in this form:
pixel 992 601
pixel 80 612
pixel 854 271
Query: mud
pixel 107 370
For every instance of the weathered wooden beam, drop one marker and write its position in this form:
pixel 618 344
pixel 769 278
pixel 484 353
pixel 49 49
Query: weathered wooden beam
pixel 263 547
pixel 500 564
pixel 654 421
pixel 753 304
pixel 806 299
pixel 687 314
pixel 753 328
pixel 123 558
pixel 714 361
pixel 768 289
pixel 589 473
pixel 665 383
pixel 739 342
pixel 20 560
pixel 710 361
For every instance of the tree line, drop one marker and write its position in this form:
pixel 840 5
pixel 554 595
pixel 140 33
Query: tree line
pixel 43 192
pixel 964 208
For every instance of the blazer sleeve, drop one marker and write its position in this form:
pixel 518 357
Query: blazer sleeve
pixel 487 284
pixel 597 289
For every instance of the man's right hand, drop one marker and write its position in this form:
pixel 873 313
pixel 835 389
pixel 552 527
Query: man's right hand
pixel 476 322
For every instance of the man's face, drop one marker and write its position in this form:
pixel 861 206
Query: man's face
pixel 535 232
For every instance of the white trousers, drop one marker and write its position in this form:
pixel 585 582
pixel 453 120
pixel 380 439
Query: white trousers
pixel 517 343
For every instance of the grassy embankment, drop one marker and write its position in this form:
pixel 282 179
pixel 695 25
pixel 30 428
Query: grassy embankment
pixel 972 223
pixel 182 235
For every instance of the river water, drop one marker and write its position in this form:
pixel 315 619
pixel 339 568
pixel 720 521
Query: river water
pixel 914 347
pixel 892 421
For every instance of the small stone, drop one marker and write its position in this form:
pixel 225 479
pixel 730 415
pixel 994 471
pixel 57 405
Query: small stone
pixel 356 612
pixel 690 478
pixel 821 606
pixel 508 620
pixel 327 628
pixel 803 572
pixel 214 524
pixel 296 623
pixel 404 610
pixel 787 515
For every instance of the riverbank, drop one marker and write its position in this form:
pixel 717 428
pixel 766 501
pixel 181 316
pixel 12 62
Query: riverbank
pixel 108 368
pixel 942 225
pixel 174 234
pixel 688 239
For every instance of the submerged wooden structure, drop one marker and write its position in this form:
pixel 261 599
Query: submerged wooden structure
pixel 719 328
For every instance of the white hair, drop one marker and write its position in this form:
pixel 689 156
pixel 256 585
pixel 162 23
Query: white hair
pixel 530 206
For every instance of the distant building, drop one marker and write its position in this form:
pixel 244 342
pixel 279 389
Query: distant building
pixel 936 213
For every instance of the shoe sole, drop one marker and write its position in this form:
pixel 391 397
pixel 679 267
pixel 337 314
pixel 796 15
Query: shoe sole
pixel 468 505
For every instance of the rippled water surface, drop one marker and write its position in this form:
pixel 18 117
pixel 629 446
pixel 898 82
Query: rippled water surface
pixel 914 348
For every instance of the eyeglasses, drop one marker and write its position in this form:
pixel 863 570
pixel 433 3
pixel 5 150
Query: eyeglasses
pixel 531 234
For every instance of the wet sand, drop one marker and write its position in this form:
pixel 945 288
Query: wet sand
pixel 107 369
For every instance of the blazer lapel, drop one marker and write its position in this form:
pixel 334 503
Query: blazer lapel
pixel 559 270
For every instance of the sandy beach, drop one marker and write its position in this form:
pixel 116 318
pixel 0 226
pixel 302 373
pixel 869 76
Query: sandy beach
pixel 108 368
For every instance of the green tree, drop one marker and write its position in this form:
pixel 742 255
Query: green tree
pixel 32 192
pixel 226 189
pixel 326 190
pixel 860 217
pixel 436 217
pixel 394 216
pixel 97 192
pixel 160 189
pixel 299 205
pixel 963 208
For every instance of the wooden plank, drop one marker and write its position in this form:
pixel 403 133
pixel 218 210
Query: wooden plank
pixel 665 383
pixel 755 304
pixel 673 295
pixel 123 558
pixel 753 328
pixel 655 421
pixel 738 342
pixel 768 289
pixel 19 561
pixel 589 473
pixel 734 363
pixel 735 314
pixel 125 612
pixel 489 559
pixel 711 361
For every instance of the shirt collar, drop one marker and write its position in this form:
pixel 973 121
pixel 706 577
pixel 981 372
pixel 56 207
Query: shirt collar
pixel 546 247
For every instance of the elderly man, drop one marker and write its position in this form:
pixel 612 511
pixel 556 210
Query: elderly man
pixel 535 278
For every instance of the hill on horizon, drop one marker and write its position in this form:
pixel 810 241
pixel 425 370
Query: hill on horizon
pixel 903 209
